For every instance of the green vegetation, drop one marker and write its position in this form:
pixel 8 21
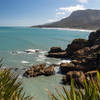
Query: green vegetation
pixel 10 87
pixel 91 91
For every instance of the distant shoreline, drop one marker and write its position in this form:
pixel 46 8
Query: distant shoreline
pixel 70 29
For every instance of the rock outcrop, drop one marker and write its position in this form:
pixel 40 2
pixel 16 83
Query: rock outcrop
pixel 56 52
pixel 85 55
pixel 76 44
pixel 78 77
pixel 94 38
pixel 38 70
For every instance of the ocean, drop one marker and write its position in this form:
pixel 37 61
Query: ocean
pixel 18 46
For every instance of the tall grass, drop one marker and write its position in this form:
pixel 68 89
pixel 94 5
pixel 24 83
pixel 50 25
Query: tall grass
pixel 91 91
pixel 10 87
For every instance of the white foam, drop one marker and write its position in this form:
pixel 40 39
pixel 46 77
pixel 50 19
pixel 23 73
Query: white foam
pixel 16 52
pixel 31 51
pixel 43 52
pixel 64 61
pixel 24 62
pixel 20 77
pixel 48 62
pixel 57 69
pixel 28 51
pixel 41 57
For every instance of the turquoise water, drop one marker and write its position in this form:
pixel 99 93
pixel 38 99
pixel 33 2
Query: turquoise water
pixel 14 41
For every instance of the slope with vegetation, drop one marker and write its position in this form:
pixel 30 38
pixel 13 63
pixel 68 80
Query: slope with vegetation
pixel 81 19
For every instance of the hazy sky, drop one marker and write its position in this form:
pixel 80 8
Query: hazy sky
pixel 33 12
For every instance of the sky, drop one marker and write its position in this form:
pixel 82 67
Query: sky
pixel 35 12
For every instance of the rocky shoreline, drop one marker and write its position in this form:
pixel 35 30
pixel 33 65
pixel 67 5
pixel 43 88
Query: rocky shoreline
pixel 85 56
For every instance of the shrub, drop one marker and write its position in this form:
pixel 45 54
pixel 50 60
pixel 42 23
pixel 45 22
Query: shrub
pixel 91 91
pixel 10 87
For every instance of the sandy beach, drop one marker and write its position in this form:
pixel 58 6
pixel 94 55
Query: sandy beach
pixel 70 29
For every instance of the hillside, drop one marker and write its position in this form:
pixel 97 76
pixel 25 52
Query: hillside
pixel 81 19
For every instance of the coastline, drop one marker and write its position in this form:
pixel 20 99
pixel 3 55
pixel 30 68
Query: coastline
pixel 69 29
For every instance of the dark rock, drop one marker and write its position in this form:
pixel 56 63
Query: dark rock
pixel 66 67
pixel 76 62
pixel 57 55
pixel 78 77
pixel 92 75
pixel 81 53
pixel 55 50
pixel 76 45
pixel 94 38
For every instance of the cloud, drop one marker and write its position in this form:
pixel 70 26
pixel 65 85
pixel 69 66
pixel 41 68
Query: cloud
pixel 71 8
pixel 63 12
pixel 52 20
pixel 83 1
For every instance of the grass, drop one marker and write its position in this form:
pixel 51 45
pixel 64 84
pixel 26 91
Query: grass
pixel 10 87
pixel 91 91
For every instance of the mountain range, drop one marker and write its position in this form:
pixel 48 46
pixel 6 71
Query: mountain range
pixel 80 19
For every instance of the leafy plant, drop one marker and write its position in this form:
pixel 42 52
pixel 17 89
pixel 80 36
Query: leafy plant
pixel 91 91
pixel 10 87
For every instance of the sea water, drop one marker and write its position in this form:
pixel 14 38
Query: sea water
pixel 18 46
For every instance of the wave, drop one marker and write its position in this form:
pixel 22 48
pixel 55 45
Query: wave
pixel 31 51
pixel 57 69
pixel 16 52
pixel 64 61
pixel 25 62
pixel 28 51
pixel 41 57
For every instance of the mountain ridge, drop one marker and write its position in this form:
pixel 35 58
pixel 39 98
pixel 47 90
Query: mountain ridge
pixel 80 19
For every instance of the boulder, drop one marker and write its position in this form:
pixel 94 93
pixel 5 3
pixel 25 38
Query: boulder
pixel 57 55
pixel 76 62
pixel 76 45
pixel 66 67
pixel 38 70
pixel 78 77
pixel 81 53
pixel 94 38
pixel 91 75
pixel 55 50
pixel 49 70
